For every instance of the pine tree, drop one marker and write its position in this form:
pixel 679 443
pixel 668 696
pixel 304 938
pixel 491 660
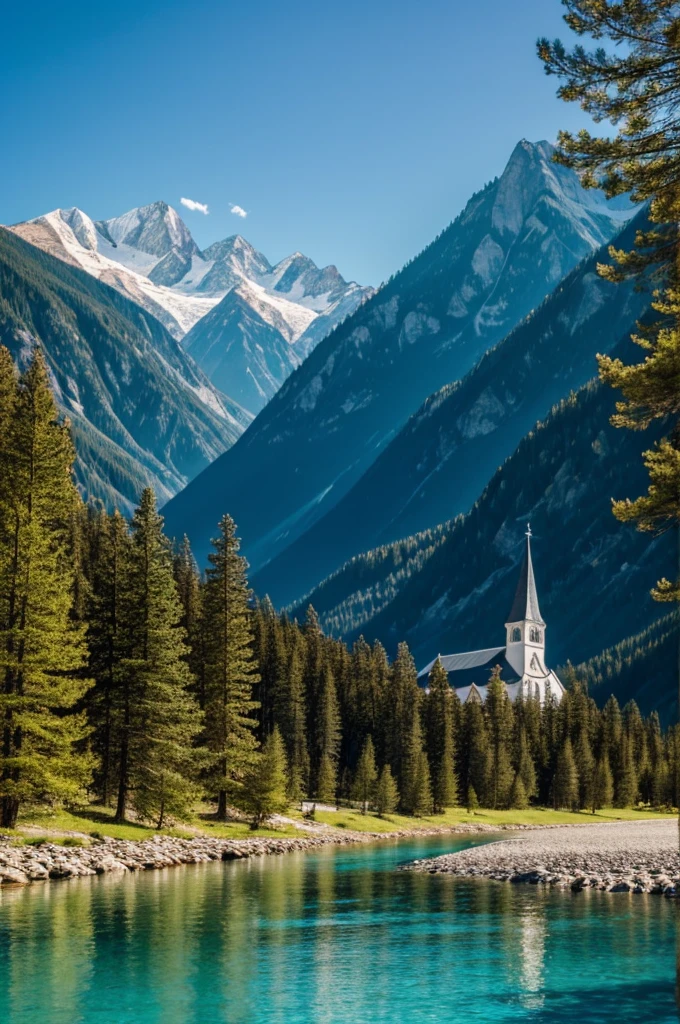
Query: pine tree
pixel 401 702
pixel 471 801
pixel 188 584
pixel 421 797
pixel 328 733
pixel 157 718
pixel 416 796
pixel 42 649
pixel 612 728
pixel 326 780
pixel 440 744
pixel 386 794
pixel 585 763
pixel 565 782
pixel 498 711
pixel 8 399
pixel 603 786
pixel 266 785
pixel 479 765
pixel 365 776
pixel 290 716
pixel 525 766
pixel 106 643
pixel 625 777
pixel 230 669
pixel 660 784
pixel 636 87
pixel 518 795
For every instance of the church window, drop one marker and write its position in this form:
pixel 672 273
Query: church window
pixel 516 634
pixel 535 635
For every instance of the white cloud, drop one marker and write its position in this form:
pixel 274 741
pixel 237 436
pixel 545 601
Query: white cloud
pixel 191 204
pixel 238 210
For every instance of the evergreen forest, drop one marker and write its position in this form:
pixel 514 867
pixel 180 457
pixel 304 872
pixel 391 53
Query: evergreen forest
pixel 129 678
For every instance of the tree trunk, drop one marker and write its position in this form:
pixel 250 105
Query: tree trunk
pixel 222 805
pixel 9 811
pixel 121 806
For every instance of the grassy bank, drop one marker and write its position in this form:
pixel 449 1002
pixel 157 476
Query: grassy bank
pixel 351 819
pixel 92 822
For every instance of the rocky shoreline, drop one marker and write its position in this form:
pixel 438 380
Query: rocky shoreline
pixel 631 856
pixel 23 865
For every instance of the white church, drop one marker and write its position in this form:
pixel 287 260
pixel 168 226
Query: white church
pixel 522 660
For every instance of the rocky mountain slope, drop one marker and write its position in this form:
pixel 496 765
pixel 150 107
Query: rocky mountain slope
pixel 142 412
pixel 510 247
pixel 148 254
pixel 236 346
pixel 441 460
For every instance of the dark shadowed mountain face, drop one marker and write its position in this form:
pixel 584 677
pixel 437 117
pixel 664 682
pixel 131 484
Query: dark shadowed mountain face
pixel 142 412
pixel 512 244
pixel 593 573
pixel 440 461
pixel 643 668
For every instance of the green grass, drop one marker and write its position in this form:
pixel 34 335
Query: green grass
pixel 351 819
pixel 98 821
pixel 92 822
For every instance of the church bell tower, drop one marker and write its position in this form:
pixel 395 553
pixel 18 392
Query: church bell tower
pixel 525 630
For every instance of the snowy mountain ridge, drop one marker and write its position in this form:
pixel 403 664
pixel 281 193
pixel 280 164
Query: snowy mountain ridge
pixel 149 255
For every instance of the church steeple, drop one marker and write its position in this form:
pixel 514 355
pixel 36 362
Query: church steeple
pixel 525 604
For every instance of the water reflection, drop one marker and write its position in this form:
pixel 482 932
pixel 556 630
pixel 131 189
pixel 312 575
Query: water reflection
pixel 338 937
pixel 532 956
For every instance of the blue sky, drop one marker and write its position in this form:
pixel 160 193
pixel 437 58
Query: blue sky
pixel 353 132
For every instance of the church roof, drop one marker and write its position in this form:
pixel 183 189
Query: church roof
pixel 472 667
pixel 525 604
pixel 463 692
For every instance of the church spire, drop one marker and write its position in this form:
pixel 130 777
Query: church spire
pixel 525 604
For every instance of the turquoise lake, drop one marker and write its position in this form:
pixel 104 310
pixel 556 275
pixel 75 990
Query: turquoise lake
pixel 334 937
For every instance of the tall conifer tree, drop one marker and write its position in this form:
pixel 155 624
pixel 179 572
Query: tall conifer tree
pixel 157 716
pixel 42 650
pixel 107 643
pixel 440 744
pixel 498 711
pixel 230 669
pixel 365 776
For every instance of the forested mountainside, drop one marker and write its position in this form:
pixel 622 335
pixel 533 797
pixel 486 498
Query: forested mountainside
pixel 440 461
pixel 149 255
pixel 643 667
pixel 362 587
pixel 142 412
pixel 593 573
pixel 512 244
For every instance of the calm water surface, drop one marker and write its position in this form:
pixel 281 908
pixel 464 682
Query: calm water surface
pixel 336 937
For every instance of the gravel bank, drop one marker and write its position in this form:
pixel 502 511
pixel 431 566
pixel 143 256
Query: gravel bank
pixel 631 856
pixel 23 865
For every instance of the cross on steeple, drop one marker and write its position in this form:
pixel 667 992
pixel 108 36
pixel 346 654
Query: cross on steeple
pixel 529 533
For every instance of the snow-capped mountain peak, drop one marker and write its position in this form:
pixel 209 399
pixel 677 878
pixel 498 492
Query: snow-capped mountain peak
pixel 149 255
pixel 82 227
pixel 155 229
